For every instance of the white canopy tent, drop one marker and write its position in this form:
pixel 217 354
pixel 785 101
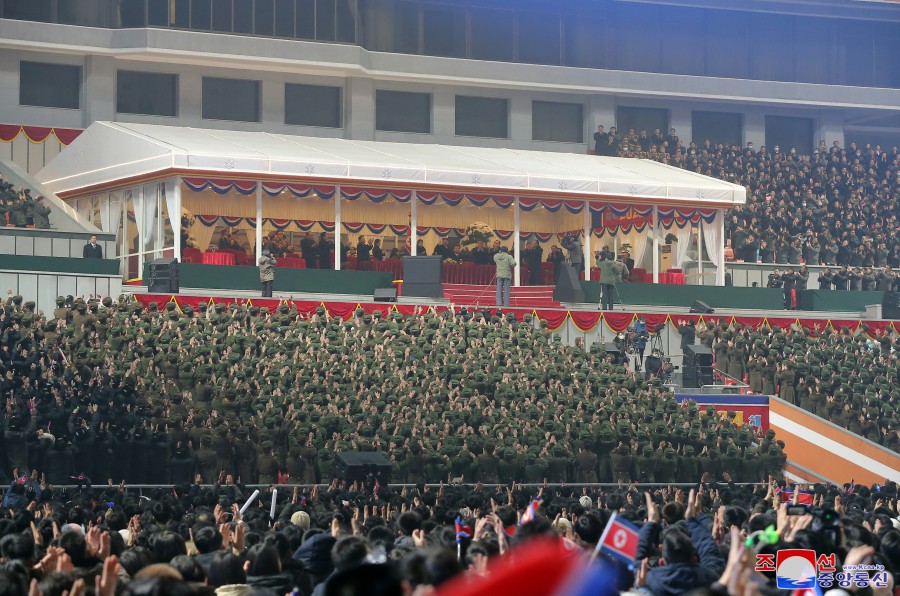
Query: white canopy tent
pixel 110 157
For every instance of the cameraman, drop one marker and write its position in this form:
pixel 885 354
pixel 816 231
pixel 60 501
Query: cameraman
pixel 641 334
pixel 654 363
pixel 576 257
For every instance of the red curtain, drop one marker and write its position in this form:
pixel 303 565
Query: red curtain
pixel 585 321
pixel 555 318
pixel 618 321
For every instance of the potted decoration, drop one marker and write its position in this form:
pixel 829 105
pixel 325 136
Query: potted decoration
pixel 477 232
pixel 671 238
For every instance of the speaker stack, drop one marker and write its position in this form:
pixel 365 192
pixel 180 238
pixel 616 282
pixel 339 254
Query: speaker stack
pixel 568 286
pixel 422 277
pixel 697 367
pixel 702 308
pixel 362 466
pixel 890 305
pixel 163 276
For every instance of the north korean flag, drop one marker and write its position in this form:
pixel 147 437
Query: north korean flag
pixel 803 497
pixel 619 539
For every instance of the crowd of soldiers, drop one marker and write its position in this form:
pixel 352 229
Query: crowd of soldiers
pixel 267 395
pixel 20 209
pixel 843 376
pixel 836 207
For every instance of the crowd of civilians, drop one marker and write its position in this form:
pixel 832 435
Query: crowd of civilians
pixel 837 207
pixel 369 539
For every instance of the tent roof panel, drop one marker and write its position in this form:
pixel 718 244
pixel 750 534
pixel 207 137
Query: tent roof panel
pixel 111 154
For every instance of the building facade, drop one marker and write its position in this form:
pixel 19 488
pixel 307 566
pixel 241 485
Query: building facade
pixel 495 73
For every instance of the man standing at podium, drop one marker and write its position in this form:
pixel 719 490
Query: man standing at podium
pixel 505 266
pixel 92 250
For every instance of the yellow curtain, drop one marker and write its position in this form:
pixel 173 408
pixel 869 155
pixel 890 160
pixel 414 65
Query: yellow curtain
pixel 365 211
pixel 233 204
pixel 441 215
pixel 202 235
pixel 541 220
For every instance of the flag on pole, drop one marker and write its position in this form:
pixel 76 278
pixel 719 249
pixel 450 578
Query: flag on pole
pixel 462 530
pixel 530 512
pixel 852 488
pixel 619 539
pixel 375 490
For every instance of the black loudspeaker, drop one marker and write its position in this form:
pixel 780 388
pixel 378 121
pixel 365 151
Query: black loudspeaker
pixel 702 308
pixel 163 276
pixel 697 366
pixel 362 466
pixel 568 286
pixel 421 270
pixel 385 295
pixel 890 305
pixel 611 348
pixel 422 277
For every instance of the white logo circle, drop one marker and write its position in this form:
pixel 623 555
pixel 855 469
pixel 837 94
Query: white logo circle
pixel 620 538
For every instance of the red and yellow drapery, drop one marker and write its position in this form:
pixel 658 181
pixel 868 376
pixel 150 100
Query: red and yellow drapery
pixel 37 134
pixel 584 321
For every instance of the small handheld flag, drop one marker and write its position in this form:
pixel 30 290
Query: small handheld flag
pixel 619 540
pixel 531 512
pixel 462 530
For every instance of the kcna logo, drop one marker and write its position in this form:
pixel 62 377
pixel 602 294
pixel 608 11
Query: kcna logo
pixel 799 568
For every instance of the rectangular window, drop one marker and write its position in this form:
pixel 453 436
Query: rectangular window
pixel 158 13
pixel 306 19
pixel 585 36
pixel 444 30
pixel 648 119
pixel 539 41
pixel 201 15
pixel 264 17
pixel 717 127
pixel 131 13
pixel 231 99
pixel 181 16
pixel 557 121
pixel 492 34
pixel 406 28
pixel 789 133
pixel 401 111
pixel 325 20
pixel 49 85
pixel 151 93
pixel 346 20
pixel 284 18
pixel 482 117
pixel 243 16
pixel 312 105
pixel 221 16
pixel 28 10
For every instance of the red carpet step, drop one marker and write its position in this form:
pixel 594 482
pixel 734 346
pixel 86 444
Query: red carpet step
pixel 521 297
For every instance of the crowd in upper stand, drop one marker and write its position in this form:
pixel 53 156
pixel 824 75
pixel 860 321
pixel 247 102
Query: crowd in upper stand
pixel 838 206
